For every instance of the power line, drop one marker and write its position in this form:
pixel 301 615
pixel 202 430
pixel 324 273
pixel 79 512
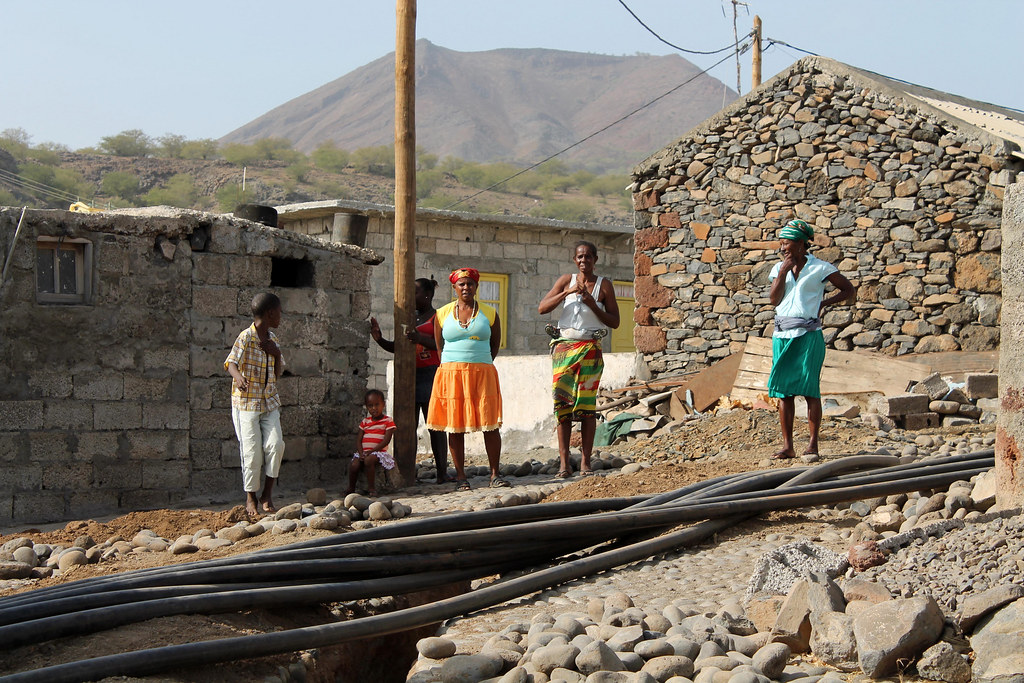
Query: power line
pixel 743 49
pixel 34 186
pixel 773 41
pixel 676 47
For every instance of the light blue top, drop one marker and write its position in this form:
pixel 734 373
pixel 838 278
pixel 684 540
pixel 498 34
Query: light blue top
pixel 470 344
pixel 803 294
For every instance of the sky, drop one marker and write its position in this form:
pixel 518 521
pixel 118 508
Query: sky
pixel 73 71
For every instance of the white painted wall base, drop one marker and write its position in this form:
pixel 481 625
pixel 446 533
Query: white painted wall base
pixel 528 413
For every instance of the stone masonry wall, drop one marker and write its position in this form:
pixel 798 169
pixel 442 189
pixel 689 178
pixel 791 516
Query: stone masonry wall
pixel 905 204
pixel 532 256
pixel 123 403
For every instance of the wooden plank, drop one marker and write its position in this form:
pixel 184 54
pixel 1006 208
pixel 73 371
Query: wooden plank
pixel 711 383
pixel 956 364
pixel 844 372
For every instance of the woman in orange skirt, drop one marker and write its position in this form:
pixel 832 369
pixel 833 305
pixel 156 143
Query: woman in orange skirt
pixel 466 396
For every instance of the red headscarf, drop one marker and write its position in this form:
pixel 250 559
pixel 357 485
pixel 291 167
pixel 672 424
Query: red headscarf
pixel 459 273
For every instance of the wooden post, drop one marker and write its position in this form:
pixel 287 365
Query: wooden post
pixel 404 399
pixel 755 70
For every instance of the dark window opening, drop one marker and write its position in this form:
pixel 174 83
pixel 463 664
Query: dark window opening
pixel 291 272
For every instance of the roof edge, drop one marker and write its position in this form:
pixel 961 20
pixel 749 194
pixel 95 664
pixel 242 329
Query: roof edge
pixel 877 82
pixel 328 207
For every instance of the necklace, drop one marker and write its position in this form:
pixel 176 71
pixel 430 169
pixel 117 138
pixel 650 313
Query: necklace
pixel 469 322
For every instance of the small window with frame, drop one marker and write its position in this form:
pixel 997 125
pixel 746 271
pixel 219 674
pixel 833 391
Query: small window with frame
pixel 63 270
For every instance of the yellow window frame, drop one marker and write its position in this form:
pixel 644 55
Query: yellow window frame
pixel 622 336
pixel 491 284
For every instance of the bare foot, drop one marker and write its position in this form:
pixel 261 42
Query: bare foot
pixel 268 506
pixel 783 454
pixel 372 493
pixel 250 505
pixel 811 450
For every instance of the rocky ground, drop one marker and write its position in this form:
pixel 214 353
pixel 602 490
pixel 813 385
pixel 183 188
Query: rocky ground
pixel 684 596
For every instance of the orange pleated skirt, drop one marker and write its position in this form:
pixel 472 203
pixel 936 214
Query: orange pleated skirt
pixel 466 397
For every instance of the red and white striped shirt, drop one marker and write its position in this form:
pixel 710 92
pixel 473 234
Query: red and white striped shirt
pixel 375 431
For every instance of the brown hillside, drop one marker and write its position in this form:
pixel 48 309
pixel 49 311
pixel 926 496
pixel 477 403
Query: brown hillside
pixel 504 105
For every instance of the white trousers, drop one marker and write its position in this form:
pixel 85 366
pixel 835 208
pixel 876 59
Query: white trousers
pixel 260 443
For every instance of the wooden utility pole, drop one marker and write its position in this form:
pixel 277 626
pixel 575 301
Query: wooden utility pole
pixel 755 70
pixel 404 399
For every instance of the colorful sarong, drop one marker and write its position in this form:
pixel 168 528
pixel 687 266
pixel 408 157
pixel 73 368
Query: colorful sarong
pixel 466 397
pixel 577 366
pixel 796 366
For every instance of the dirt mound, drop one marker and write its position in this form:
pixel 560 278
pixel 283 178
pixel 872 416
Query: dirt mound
pixel 166 523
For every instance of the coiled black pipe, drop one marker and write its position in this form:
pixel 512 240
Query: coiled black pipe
pixel 151 661
pixel 79 620
pixel 459 521
pixel 610 525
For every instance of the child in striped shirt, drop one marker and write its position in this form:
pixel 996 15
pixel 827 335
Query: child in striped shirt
pixel 375 432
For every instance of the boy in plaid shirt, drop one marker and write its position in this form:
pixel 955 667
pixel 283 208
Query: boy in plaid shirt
pixel 254 364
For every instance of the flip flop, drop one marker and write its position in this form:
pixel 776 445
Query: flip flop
pixel 499 483
pixel 587 473
pixel 563 474
pixel 782 455
pixel 462 485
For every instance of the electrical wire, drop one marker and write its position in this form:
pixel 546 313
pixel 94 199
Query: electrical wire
pixel 743 49
pixel 774 41
pixel 34 186
pixel 676 47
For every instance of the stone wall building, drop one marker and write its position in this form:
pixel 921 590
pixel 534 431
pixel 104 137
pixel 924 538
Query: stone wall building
pixel 114 330
pixel 903 184
pixel 519 258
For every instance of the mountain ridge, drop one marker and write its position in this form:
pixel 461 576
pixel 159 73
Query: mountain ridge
pixel 507 104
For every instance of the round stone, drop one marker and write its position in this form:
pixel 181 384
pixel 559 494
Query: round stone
pixel 26 555
pixel 71 558
pixel 436 647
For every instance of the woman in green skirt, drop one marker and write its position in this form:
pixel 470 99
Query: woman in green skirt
pixel 798 347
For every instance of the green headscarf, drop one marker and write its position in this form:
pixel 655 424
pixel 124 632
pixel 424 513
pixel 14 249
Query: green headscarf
pixel 797 229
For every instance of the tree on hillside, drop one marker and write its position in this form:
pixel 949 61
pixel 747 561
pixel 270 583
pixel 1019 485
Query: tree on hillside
pixel 15 141
pixel 127 143
pixel 425 161
pixel 171 145
pixel 378 160
pixel 231 195
pixel 603 186
pixel 329 157
pixel 239 154
pixel 203 148
pixel 179 190
pixel 277 149
pixel 120 184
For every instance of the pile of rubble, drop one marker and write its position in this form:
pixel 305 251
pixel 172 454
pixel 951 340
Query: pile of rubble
pixel 934 402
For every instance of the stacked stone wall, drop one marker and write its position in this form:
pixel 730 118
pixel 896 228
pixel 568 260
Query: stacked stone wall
pixel 123 403
pixel 906 204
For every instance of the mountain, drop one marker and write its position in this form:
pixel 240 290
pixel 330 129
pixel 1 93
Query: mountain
pixel 516 105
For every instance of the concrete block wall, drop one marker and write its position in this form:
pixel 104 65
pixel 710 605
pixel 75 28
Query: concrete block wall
pixel 906 203
pixel 123 403
pixel 533 255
